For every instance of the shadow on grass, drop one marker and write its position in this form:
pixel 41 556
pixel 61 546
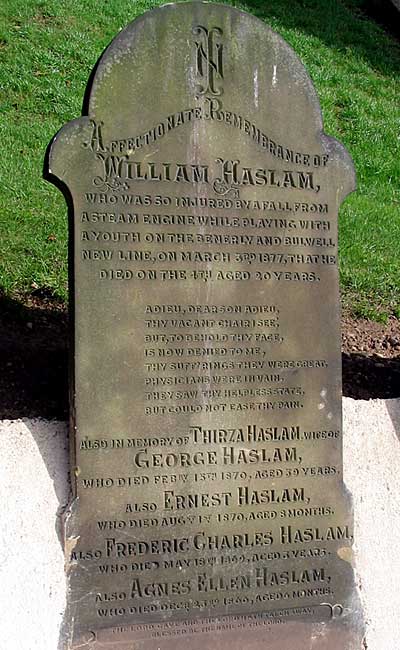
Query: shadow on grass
pixel 33 359
pixel 34 363
pixel 340 24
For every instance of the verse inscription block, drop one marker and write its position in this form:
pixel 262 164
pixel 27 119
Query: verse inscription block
pixel 209 499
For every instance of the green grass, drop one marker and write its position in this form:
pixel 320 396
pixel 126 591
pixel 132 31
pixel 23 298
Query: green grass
pixel 47 51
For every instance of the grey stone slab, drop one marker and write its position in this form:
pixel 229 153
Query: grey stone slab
pixel 209 497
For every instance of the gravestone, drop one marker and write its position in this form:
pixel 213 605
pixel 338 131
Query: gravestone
pixel 209 506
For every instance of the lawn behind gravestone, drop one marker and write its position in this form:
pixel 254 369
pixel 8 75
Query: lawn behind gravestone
pixel 47 51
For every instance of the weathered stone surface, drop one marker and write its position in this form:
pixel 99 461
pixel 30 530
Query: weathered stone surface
pixel 209 502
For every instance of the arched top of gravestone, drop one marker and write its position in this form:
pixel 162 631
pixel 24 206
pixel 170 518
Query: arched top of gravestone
pixel 220 61
pixel 153 56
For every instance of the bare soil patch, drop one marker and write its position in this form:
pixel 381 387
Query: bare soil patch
pixel 370 358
